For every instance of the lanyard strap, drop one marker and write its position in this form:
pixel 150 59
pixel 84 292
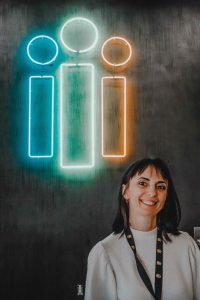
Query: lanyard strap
pixel 158 265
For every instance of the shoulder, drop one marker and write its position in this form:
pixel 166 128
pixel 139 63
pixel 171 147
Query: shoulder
pixel 183 237
pixel 106 246
pixel 184 240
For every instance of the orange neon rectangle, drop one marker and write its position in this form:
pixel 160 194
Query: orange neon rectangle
pixel 113 105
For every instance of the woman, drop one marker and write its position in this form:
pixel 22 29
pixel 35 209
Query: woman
pixel 146 256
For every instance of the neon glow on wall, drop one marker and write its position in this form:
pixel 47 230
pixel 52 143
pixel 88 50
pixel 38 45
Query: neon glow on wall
pixel 76 99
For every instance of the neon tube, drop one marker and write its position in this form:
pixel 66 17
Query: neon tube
pixel 41 116
pixel 76 116
pixel 43 37
pixel 116 39
pixel 83 20
pixel 104 121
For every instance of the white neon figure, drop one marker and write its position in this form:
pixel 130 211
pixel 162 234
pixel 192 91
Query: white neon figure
pixel 33 153
pixel 116 39
pixel 43 37
pixel 104 81
pixel 84 20
pixel 66 142
pixel 64 126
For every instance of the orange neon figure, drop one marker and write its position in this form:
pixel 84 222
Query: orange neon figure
pixel 114 100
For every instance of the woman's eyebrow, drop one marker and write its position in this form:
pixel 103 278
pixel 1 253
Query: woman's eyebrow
pixel 160 181
pixel 144 178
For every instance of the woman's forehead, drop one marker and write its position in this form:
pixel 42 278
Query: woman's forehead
pixel 150 171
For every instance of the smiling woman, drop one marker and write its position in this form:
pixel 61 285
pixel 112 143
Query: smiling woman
pixel 145 194
pixel 146 256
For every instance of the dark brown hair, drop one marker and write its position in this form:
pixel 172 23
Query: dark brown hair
pixel 168 218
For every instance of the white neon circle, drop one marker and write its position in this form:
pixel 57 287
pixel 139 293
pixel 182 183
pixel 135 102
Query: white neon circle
pixel 42 37
pixel 84 20
pixel 120 39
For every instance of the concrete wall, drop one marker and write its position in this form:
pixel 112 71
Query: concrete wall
pixel 49 221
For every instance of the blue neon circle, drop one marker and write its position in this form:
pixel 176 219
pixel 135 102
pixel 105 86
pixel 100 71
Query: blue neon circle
pixel 44 38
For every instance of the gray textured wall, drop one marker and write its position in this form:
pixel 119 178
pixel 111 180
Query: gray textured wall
pixel 49 222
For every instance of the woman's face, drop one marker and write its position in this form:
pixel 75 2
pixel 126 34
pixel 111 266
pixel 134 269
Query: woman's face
pixel 146 192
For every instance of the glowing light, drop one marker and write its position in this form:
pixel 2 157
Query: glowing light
pixel 73 107
pixel 104 154
pixel 41 118
pixel 75 20
pixel 43 37
pixel 116 39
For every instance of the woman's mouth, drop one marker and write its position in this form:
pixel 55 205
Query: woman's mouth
pixel 149 202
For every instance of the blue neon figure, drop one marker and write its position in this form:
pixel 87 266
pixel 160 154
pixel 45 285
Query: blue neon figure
pixel 77 101
pixel 41 99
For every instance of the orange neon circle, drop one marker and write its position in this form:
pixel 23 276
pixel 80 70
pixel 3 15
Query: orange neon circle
pixel 118 40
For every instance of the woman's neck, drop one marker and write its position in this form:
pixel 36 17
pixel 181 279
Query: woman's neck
pixel 143 223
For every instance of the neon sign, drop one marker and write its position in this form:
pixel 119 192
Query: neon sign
pixel 77 103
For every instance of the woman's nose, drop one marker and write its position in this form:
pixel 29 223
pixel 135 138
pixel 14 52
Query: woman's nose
pixel 152 191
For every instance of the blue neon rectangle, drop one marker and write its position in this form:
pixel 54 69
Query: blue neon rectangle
pixel 41 116
pixel 77 116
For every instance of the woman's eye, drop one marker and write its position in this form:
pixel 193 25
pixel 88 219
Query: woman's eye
pixel 142 183
pixel 161 187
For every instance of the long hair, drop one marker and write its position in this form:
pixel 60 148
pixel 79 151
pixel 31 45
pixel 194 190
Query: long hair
pixel 168 218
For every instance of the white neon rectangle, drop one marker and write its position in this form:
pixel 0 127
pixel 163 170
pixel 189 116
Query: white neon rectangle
pixel 103 118
pixel 74 96
pixel 41 128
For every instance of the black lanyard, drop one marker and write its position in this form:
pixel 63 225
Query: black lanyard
pixel 158 265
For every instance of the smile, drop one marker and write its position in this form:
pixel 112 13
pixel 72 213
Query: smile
pixel 149 202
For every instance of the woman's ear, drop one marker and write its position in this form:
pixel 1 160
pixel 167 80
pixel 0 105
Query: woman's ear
pixel 125 192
